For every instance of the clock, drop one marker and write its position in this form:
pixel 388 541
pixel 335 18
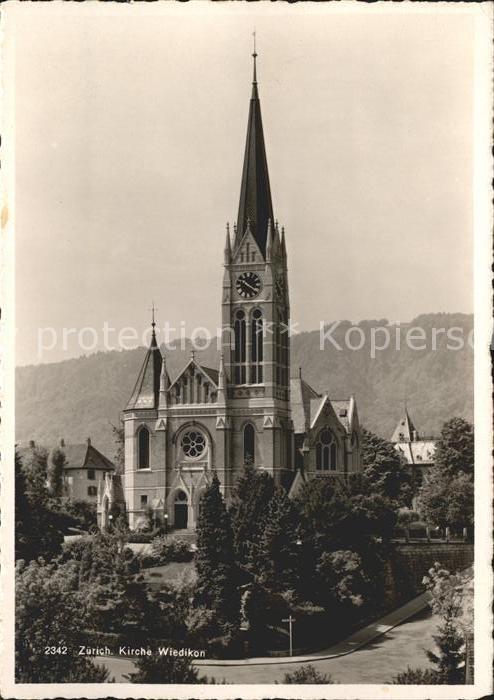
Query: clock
pixel 248 285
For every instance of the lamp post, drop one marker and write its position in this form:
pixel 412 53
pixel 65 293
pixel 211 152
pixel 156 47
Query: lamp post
pixel 290 621
pixel 166 523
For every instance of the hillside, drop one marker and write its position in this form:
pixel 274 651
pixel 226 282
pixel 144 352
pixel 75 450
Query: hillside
pixel 83 397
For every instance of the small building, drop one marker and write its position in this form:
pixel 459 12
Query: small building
pixel 85 467
pixel 417 450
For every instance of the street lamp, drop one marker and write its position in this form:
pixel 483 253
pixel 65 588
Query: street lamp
pixel 166 524
pixel 290 621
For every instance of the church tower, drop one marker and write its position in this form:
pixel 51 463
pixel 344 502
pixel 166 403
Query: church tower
pixel 255 318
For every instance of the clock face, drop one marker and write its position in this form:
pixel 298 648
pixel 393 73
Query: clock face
pixel 248 285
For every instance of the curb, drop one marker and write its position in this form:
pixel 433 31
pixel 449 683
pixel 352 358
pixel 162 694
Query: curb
pixel 422 601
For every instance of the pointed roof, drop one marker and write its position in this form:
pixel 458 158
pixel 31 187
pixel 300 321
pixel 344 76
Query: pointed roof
pixel 404 431
pixel 301 395
pixel 147 387
pixel 255 194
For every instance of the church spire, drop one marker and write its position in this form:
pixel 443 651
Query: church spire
pixel 255 193
pixel 154 344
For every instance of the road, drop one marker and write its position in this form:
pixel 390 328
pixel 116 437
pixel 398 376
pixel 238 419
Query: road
pixel 376 662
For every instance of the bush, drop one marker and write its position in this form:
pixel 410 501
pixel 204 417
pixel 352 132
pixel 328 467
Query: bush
pixel 83 512
pixel 164 669
pixel 228 645
pixel 307 674
pixel 165 549
pixel 137 537
pixel 418 676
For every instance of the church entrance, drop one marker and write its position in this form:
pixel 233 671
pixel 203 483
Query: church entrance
pixel 181 511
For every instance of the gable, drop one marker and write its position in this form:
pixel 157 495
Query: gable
pixel 324 415
pixel 248 250
pixel 204 381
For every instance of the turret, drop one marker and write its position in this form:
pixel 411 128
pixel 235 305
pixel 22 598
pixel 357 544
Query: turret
pixel 164 384
pixel 221 382
pixel 228 247
pixel 269 241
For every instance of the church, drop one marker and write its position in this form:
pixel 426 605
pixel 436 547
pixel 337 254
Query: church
pixel 181 430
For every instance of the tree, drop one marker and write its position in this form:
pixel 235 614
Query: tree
pixel 251 497
pixel 83 511
pixel 217 575
pixel 418 676
pixel 385 469
pixel 339 516
pixel 35 463
pixel 307 674
pixel 406 516
pixel 165 669
pixel 118 435
pixel 105 569
pixel 343 574
pixel 276 557
pixel 446 497
pixel 455 448
pixel 38 530
pixel 50 611
pixel 449 594
pixel 56 464
pixel 261 609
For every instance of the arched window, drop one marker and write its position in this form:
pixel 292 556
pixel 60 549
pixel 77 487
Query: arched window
pixel 326 451
pixel 143 448
pixel 239 351
pixel 249 444
pixel 256 347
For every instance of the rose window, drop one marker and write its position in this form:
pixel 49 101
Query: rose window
pixel 193 444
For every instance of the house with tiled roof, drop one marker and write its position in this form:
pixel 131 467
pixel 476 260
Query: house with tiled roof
pixel 85 467
pixel 418 450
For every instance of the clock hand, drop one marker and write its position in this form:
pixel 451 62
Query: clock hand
pixel 246 284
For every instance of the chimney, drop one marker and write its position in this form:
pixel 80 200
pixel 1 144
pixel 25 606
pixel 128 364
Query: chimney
pixel 62 442
pixel 32 444
pixel 415 436
pixel 88 440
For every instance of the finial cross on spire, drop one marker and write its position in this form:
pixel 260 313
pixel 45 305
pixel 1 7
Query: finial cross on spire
pixel 153 309
pixel 254 56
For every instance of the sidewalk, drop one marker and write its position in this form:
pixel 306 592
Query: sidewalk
pixel 346 646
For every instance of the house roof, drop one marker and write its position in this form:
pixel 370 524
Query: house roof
pixel 307 403
pixel 404 430
pixel 84 456
pixel 418 452
pixel 301 395
pixel 146 389
pixel 213 374
pixel 79 456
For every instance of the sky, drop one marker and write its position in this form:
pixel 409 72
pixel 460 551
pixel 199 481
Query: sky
pixel 130 132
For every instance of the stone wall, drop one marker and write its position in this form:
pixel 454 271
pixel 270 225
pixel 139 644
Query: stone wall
pixel 409 564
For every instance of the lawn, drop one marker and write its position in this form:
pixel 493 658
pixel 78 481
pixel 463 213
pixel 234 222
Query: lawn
pixel 175 573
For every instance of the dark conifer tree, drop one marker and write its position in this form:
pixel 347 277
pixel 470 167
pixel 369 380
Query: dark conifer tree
pixel 276 558
pixel 217 576
pixel 251 497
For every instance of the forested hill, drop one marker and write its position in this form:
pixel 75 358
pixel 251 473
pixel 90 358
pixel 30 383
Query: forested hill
pixel 78 398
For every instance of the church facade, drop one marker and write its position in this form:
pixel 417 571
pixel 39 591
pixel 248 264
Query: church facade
pixel 180 430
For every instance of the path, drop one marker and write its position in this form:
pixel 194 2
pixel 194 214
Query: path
pixel 363 636
pixel 374 654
